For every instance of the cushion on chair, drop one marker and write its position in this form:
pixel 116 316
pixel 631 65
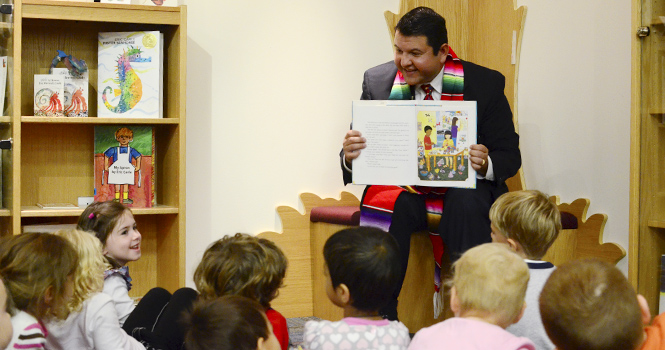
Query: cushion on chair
pixel 350 216
pixel 347 216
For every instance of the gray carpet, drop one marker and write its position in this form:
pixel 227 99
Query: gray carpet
pixel 296 327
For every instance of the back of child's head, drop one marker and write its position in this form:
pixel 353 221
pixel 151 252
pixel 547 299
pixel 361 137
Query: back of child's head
pixel 31 264
pixel 6 329
pixel 589 304
pixel 231 322
pixel 490 281
pixel 241 265
pixel 529 218
pixel 366 260
pixel 89 274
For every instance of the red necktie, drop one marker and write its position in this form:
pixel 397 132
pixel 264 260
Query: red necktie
pixel 428 91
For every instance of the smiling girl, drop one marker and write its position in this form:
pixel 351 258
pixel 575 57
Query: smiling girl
pixel 153 320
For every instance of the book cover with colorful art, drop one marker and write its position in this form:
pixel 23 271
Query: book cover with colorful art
pixel 75 93
pixel 443 145
pixel 124 164
pixel 129 82
pixel 49 95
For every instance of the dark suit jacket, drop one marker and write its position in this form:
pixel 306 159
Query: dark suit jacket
pixel 495 120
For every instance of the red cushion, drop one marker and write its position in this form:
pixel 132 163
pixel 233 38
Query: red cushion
pixel 348 216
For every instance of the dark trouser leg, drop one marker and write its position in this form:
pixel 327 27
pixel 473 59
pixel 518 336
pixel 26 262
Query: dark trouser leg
pixel 409 216
pixel 147 310
pixel 465 219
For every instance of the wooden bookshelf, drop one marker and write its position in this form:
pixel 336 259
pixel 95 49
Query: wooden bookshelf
pixel 52 158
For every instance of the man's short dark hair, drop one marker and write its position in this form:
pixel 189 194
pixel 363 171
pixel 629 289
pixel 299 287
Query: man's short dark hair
pixel 366 260
pixel 423 21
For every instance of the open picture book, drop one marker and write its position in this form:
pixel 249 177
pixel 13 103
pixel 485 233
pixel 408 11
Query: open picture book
pixel 422 143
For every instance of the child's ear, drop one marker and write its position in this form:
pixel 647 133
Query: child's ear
pixel 454 301
pixel 260 344
pixel 48 295
pixel 512 244
pixel 644 309
pixel 343 293
pixel 519 317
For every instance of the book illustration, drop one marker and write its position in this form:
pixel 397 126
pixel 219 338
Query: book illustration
pixel 75 93
pixel 124 165
pixel 443 150
pixel 49 91
pixel 129 75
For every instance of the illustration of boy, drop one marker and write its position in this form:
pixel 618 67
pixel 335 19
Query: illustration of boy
pixel 426 140
pixel 118 163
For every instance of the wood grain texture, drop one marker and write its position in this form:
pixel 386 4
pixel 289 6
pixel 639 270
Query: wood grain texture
pixel 584 242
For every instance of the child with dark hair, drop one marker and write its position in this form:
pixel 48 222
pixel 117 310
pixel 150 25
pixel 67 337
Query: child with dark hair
pixel 247 266
pixel 229 323
pixel 426 139
pixel 362 270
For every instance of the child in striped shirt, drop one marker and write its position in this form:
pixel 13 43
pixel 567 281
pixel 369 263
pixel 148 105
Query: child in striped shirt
pixel 37 269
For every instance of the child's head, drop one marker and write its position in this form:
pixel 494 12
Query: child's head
pixel 5 318
pixel 362 262
pixel 241 265
pixel 589 304
pixel 89 275
pixel 447 135
pixel 489 282
pixel 37 269
pixel 527 221
pixel 231 322
pixel 124 135
pixel 428 130
pixel 114 225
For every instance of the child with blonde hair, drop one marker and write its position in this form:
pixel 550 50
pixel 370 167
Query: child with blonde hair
pixel 589 304
pixel 153 321
pixel 528 222
pixel 362 270
pixel 93 323
pixel 247 266
pixel 230 322
pixel 487 295
pixel 37 269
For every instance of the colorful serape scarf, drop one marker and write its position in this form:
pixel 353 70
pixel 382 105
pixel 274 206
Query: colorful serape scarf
pixel 123 272
pixel 379 201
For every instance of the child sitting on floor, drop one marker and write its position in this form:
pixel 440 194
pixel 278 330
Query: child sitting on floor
pixel 589 304
pixel 247 266
pixel 487 295
pixel 38 270
pixel 93 323
pixel 528 222
pixel 362 269
pixel 229 323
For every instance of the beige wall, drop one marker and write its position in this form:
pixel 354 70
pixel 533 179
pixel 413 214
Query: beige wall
pixel 270 84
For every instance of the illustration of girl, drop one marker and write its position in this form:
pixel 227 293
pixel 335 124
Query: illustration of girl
pixel 118 163
pixel 448 147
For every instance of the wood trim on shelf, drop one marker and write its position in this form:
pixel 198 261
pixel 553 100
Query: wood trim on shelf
pixel 97 12
pixel 35 211
pixel 94 120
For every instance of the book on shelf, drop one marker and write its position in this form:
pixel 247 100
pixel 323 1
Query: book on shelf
pixel 130 69
pixel 75 93
pixel 57 206
pixel 47 228
pixel 661 304
pixel 422 143
pixel 157 2
pixel 124 162
pixel 3 83
pixel 49 94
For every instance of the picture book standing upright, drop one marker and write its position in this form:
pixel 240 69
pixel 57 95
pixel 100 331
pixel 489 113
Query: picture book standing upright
pixel 129 82
pixel 124 165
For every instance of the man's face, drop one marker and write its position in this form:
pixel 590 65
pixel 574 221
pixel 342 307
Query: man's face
pixel 416 60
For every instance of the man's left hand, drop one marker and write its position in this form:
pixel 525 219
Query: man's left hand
pixel 478 158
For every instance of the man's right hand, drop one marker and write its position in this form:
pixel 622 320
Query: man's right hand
pixel 353 143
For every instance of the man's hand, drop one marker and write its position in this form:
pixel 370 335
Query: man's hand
pixel 478 158
pixel 353 143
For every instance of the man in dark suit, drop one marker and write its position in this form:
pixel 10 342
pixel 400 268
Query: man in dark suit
pixel 421 52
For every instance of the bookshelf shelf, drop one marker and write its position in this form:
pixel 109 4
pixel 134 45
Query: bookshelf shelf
pixel 64 120
pixel 34 211
pixel 52 159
